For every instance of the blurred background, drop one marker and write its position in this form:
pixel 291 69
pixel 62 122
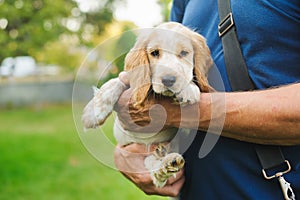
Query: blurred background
pixel 43 44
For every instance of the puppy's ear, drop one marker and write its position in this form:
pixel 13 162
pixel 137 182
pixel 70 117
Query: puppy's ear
pixel 202 61
pixel 138 67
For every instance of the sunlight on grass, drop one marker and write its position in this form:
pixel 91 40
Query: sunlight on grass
pixel 42 157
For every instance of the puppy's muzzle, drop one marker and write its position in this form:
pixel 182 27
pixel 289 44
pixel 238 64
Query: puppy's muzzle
pixel 168 80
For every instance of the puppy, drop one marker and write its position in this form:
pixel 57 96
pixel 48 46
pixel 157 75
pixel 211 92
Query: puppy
pixel 169 60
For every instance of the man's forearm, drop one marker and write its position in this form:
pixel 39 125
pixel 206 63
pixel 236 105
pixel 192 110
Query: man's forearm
pixel 268 117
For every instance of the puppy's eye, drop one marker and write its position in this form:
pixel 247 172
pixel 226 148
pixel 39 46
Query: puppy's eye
pixel 155 53
pixel 183 53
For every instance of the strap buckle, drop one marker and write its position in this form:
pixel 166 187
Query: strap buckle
pixel 277 174
pixel 286 188
pixel 226 24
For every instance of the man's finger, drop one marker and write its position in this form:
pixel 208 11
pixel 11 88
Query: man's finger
pixel 123 76
pixel 171 190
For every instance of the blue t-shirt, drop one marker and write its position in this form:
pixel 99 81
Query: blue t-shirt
pixel 269 35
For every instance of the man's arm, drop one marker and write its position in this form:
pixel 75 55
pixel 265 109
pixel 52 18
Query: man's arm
pixel 269 116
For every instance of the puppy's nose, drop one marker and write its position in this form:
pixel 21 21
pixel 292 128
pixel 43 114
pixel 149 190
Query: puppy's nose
pixel 168 80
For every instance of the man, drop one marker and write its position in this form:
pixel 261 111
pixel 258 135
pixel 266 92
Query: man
pixel 268 32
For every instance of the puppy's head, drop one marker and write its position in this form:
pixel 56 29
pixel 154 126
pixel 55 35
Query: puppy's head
pixel 167 58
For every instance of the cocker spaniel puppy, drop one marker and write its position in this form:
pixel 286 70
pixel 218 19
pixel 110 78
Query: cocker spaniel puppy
pixel 170 60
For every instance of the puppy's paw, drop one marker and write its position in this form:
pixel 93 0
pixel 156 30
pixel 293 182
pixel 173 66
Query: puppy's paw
pixel 170 165
pixel 162 168
pixel 161 150
pixel 189 95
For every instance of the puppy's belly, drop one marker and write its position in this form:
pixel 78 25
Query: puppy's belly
pixel 125 137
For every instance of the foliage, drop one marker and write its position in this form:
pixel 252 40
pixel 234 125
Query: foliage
pixel 27 26
pixel 60 32
pixel 123 44
pixel 165 11
pixel 62 53
pixel 43 158
pixel 106 60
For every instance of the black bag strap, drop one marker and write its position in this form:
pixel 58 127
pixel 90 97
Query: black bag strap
pixel 235 64
pixel 270 157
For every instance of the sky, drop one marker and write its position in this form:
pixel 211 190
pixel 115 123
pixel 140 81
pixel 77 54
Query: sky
pixel 144 13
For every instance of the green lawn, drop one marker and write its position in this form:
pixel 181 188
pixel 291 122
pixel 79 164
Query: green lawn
pixel 42 157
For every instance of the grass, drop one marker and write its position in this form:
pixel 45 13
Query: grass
pixel 42 157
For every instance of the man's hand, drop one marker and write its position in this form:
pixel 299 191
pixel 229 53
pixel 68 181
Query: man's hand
pixel 130 161
pixel 154 116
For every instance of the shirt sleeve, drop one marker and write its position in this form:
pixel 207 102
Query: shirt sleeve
pixel 177 10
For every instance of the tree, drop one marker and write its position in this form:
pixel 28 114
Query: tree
pixel 165 8
pixel 27 26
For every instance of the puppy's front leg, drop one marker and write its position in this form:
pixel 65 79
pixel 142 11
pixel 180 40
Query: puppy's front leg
pixel 189 95
pixel 100 107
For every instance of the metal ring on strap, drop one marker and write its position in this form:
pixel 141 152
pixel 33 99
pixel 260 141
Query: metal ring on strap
pixel 226 24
